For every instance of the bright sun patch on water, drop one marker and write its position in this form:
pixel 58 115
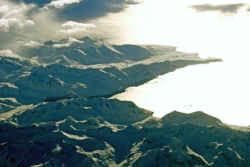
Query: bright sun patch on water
pixel 196 88
pixel 219 89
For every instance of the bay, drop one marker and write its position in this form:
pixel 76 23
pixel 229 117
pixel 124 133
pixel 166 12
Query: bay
pixel 210 88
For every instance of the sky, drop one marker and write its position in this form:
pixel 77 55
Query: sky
pixel 35 20
pixel 122 21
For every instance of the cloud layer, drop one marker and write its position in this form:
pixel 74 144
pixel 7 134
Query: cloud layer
pixel 62 3
pixel 14 23
pixel 89 9
pixel 82 9
pixel 225 8
pixel 31 22
pixel 71 27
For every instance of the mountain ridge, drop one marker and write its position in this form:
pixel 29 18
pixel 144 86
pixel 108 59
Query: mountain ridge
pixel 73 123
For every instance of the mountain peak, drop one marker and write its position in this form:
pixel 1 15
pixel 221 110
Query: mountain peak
pixel 196 118
pixel 86 38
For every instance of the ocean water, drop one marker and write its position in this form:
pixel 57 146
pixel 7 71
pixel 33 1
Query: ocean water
pixel 210 88
pixel 219 89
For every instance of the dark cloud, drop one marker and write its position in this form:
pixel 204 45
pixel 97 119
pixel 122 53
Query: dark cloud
pixel 77 10
pixel 39 3
pixel 93 8
pixel 225 8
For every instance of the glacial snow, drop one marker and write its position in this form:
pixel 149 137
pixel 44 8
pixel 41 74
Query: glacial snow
pixel 85 68
pixel 36 137
pixel 73 123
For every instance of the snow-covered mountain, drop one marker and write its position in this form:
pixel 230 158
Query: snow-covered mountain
pixel 84 68
pixel 108 132
pixel 72 122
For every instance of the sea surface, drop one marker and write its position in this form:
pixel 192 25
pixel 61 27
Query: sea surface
pixel 219 89
pixel 210 88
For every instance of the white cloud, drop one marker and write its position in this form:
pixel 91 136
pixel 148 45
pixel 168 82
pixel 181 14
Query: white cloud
pixel 62 3
pixel 8 53
pixel 14 18
pixel 4 9
pixel 61 45
pixel 37 20
pixel 33 44
pixel 72 24
pixel 67 44
pixel 73 40
pixel 13 12
pixel 29 22
pixel 6 24
pixel 15 24
pixel 71 27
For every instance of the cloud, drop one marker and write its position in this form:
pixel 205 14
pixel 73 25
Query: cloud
pixel 8 53
pixel 15 16
pixel 39 3
pixel 22 22
pixel 61 45
pixel 71 27
pixel 225 8
pixel 15 11
pixel 33 44
pixel 66 43
pixel 29 22
pixel 72 24
pixel 88 9
pixel 133 1
pixel 4 9
pixel 73 40
pixel 7 24
pixel 79 10
pixel 62 3
pixel 14 23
